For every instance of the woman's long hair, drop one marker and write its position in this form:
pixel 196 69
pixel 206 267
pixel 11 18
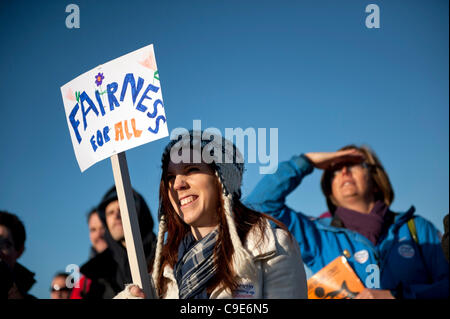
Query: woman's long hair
pixel 245 220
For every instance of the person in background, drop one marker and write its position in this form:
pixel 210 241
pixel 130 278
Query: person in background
pixel 404 247
pixel 96 233
pixel 99 244
pixel 216 247
pixel 58 288
pixel 109 270
pixel 15 279
pixel 445 237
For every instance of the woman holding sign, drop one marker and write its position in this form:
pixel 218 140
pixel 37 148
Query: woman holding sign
pixel 394 255
pixel 216 247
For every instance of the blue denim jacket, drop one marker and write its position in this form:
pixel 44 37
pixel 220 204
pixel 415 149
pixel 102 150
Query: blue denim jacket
pixel 395 263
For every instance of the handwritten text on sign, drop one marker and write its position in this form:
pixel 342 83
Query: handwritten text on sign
pixel 115 107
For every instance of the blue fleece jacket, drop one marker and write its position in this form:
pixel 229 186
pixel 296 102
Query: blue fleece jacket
pixel 395 263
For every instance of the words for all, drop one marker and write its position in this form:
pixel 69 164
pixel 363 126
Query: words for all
pixel 102 136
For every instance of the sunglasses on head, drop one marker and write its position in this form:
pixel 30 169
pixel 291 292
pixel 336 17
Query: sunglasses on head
pixel 58 288
pixel 350 166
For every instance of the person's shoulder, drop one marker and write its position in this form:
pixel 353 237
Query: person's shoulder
pixel 260 240
pixel 284 238
pixel 24 278
pixel 427 229
pixel 95 259
pixel 21 271
pixel 100 264
pixel 283 244
pixel 402 218
pixel 422 222
pixel 273 236
pixel 422 225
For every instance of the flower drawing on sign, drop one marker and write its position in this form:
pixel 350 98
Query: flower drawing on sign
pixel 148 61
pixel 70 95
pixel 99 78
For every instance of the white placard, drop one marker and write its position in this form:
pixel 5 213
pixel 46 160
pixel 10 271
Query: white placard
pixel 115 107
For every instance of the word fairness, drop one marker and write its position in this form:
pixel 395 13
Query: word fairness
pixel 86 109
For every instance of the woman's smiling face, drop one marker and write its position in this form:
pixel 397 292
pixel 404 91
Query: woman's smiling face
pixel 194 194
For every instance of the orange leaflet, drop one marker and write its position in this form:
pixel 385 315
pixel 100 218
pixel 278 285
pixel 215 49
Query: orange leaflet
pixel 337 280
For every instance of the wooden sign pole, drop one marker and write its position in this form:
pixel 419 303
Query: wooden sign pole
pixel 133 239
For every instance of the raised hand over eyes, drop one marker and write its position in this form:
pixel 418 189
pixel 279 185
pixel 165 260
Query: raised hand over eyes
pixel 325 160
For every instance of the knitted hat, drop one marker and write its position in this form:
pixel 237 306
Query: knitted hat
pixel 228 163
pixel 225 158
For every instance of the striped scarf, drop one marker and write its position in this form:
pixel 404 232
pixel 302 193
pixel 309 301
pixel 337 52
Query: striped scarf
pixel 195 266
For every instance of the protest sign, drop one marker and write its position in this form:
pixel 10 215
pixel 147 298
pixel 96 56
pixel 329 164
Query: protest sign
pixel 110 109
pixel 337 280
pixel 114 107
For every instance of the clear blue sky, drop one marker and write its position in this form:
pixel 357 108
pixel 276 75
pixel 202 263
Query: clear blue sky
pixel 309 68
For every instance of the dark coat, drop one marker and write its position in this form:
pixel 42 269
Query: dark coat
pixel 110 270
pixel 445 237
pixel 15 283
